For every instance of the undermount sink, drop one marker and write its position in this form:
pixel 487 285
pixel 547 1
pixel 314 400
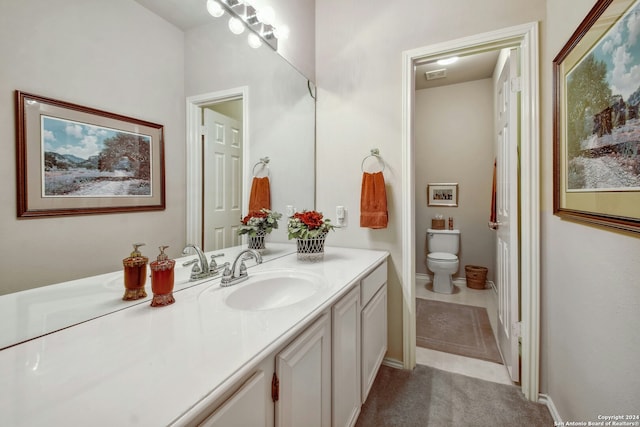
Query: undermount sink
pixel 267 290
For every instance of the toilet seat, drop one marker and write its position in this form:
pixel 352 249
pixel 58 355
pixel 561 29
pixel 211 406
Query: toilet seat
pixel 442 256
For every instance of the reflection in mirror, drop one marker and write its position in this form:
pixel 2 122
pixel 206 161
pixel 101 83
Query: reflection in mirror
pixel 222 153
pixel 276 120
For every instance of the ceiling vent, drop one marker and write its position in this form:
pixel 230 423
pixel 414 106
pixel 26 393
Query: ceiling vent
pixel 436 74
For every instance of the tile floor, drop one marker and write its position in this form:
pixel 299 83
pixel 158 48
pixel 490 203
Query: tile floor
pixel 459 364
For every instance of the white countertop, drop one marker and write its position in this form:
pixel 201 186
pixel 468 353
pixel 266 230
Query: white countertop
pixel 149 366
pixel 35 312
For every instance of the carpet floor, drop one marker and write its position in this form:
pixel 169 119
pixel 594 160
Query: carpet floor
pixel 455 328
pixel 430 397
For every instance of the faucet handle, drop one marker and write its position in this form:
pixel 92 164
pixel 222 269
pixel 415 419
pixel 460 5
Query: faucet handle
pixel 227 270
pixel 188 263
pixel 213 266
pixel 215 269
pixel 243 269
pixel 196 271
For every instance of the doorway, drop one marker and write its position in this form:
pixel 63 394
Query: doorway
pixel 455 142
pixel 524 37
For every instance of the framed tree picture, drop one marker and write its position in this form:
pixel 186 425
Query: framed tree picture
pixel 75 160
pixel 597 120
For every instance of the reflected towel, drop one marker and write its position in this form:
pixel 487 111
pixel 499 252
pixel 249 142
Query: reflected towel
pixel 260 197
pixel 493 217
pixel 373 201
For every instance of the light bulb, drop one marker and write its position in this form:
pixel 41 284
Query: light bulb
pixel 236 26
pixel 254 41
pixel 266 15
pixel 214 8
pixel 281 32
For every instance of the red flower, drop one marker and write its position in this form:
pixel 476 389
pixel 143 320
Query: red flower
pixel 254 214
pixel 311 219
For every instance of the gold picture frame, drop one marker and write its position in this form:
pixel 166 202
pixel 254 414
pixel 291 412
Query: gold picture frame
pixel 595 117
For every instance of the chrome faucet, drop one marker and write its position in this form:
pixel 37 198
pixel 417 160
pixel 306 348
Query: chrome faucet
pixel 238 272
pixel 201 268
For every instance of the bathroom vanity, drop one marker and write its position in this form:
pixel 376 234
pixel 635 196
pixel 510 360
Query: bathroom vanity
pixel 297 344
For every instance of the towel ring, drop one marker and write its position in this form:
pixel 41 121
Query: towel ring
pixel 264 162
pixel 374 153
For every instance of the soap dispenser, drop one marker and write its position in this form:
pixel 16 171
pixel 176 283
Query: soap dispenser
pixel 162 279
pixel 135 274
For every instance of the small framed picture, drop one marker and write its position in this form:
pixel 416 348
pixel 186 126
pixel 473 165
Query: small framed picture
pixel 442 194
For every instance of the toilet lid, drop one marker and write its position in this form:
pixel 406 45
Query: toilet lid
pixel 442 256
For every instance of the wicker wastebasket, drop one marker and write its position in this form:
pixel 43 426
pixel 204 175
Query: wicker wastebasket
pixel 476 276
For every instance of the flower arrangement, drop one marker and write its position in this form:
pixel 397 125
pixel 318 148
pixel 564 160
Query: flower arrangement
pixel 255 222
pixel 308 225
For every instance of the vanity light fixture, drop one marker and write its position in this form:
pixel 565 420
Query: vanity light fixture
pixel 259 22
pixel 254 40
pixel 235 25
pixel 266 15
pixel 214 8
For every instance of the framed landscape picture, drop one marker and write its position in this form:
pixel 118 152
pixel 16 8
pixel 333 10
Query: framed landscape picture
pixel 75 160
pixel 597 119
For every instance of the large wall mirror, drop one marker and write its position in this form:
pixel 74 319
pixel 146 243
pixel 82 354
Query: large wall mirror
pixel 274 106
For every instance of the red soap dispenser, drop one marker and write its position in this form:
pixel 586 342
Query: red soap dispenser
pixel 135 274
pixel 162 279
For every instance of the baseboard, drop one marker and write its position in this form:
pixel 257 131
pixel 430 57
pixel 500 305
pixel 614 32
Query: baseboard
pixel 421 277
pixel 392 363
pixel 458 281
pixel 545 399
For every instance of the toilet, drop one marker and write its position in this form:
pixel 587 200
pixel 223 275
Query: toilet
pixel 442 260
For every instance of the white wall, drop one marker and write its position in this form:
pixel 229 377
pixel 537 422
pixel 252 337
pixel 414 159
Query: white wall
pixel 454 143
pixel 590 281
pixel 359 75
pixel 114 56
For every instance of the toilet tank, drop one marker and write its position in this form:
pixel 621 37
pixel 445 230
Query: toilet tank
pixel 443 241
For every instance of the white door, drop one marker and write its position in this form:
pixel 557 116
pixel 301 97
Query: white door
pixel 507 276
pixel 222 186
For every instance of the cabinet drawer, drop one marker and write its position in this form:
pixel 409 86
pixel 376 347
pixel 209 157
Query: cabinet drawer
pixel 370 284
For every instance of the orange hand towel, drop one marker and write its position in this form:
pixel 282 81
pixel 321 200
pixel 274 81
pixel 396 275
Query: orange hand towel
pixel 373 201
pixel 260 197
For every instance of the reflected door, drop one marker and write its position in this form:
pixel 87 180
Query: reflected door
pixel 222 186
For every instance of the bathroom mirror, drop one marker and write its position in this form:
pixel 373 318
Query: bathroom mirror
pixel 216 62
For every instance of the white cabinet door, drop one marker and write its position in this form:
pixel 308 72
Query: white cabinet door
pixel 246 407
pixel 374 338
pixel 346 359
pixel 304 373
